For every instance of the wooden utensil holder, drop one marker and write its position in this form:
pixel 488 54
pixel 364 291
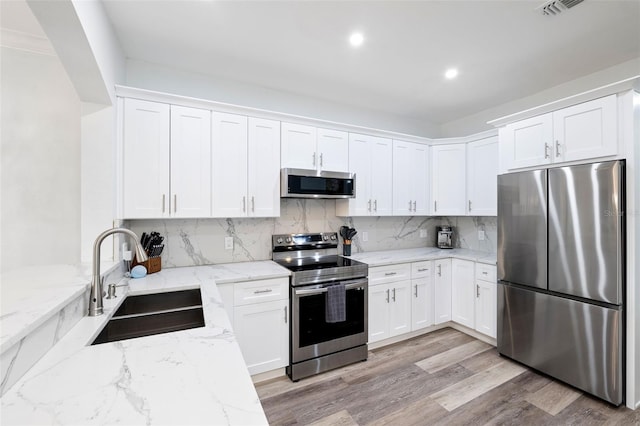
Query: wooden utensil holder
pixel 154 264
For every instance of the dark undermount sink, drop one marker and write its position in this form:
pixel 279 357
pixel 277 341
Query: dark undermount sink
pixel 156 313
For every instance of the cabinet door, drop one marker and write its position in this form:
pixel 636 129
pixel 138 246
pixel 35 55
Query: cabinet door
pixel 528 142
pixel 463 292
pixel 420 179
pixel 381 176
pixel 190 162
pixel 448 170
pixel 333 150
pixel 400 314
pixel 403 172
pixel 482 177
pixel 229 170
pixel 360 164
pixel 264 168
pixel 587 130
pixel 298 147
pixel 263 334
pixel 379 298
pixel 486 307
pixel 442 290
pixel 146 159
pixel 422 303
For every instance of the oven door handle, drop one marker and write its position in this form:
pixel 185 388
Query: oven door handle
pixel 320 280
pixel 349 285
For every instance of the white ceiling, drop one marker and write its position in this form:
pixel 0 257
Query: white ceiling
pixel 505 50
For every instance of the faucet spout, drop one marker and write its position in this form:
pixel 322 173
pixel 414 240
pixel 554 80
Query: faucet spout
pixel 95 298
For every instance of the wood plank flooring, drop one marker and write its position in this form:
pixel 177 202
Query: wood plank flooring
pixel 442 378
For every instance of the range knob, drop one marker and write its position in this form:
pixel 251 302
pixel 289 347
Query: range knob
pixel 288 240
pixel 333 237
pixel 325 237
pixel 279 240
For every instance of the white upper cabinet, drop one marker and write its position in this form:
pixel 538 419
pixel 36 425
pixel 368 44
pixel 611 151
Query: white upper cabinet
pixel 167 161
pixel 580 132
pixel 264 168
pixel 246 166
pixel 333 150
pixel 410 179
pixel 190 162
pixel 448 182
pixel 482 177
pixel 370 158
pixel 306 147
pixel 229 172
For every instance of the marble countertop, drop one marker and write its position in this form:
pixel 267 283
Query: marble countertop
pixel 195 376
pixel 391 257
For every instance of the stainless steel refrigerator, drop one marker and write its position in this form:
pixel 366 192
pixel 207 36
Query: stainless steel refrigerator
pixel 561 275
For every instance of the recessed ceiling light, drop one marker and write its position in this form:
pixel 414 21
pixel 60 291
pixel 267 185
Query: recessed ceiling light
pixel 451 73
pixel 356 39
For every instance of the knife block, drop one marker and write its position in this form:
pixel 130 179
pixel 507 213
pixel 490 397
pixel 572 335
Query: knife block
pixel 154 264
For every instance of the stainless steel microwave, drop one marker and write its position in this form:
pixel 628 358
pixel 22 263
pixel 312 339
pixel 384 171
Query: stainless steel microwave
pixel 302 183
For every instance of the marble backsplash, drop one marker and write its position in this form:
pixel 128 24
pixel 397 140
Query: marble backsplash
pixel 190 242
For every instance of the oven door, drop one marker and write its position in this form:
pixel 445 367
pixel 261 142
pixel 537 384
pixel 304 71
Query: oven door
pixel 312 336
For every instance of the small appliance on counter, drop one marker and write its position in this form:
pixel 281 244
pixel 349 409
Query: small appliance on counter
pixel 445 237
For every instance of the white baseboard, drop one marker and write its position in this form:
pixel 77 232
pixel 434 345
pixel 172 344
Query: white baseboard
pixel 268 375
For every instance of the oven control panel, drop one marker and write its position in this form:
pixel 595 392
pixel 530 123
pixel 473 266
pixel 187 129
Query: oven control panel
pixel 284 242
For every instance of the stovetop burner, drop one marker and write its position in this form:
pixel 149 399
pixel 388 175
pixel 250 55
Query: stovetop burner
pixel 317 262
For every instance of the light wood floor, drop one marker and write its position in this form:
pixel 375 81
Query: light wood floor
pixel 442 378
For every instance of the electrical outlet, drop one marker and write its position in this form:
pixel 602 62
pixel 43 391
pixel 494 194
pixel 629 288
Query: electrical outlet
pixel 365 236
pixel 481 235
pixel 228 243
pixel 423 233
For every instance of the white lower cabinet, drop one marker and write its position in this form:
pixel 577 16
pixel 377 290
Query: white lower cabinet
pixel 259 312
pixel 462 292
pixel 389 301
pixel 422 297
pixel 442 290
pixel 486 300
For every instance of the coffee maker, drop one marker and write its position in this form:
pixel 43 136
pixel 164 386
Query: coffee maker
pixel 445 237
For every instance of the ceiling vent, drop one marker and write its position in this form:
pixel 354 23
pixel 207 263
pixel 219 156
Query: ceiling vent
pixel 555 7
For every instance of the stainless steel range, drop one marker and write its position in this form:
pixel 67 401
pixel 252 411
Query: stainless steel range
pixel 316 343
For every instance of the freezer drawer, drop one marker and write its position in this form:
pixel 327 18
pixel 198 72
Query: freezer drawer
pixel 586 251
pixel 578 343
pixel 522 228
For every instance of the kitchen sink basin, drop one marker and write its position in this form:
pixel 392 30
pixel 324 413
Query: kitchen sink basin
pixel 157 313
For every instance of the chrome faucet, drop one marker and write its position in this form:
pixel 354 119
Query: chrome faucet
pixel 95 298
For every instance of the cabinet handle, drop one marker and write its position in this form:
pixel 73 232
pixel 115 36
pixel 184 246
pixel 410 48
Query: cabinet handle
pixel 423 269
pixel 416 290
pixel 415 203
pixel 253 203
pixel 175 203
pixel 469 205
pixel 410 205
pixel 244 204
pixel 369 205
pixel 485 273
pixel 389 274
pixel 546 150
pixel 314 159
pixel 435 206
pixel 163 203
pixel 394 294
pixel 285 315
pixel 557 149
pixel 375 206
pixel 320 159
pixel 263 291
pixel 439 270
pixel 387 295
pixel 477 290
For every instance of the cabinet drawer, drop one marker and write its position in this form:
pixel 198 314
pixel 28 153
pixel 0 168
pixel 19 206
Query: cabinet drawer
pixel 485 272
pixel 390 273
pixel 421 269
pixel 248 292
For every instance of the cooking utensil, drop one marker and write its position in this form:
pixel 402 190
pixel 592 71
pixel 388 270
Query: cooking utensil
pixel 351 233
pixel 344 232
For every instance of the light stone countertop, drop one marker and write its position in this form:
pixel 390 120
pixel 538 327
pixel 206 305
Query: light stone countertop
pixel 391 257
pixel 195 376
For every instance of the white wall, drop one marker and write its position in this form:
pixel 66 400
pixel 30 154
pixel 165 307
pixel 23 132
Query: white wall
pixel 149 76
pixel 478 122
pixel 40 147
